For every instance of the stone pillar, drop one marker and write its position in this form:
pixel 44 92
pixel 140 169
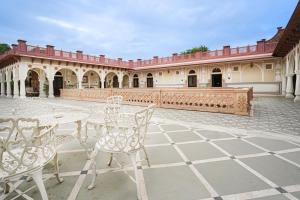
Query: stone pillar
pixel 16 89
pixel 130 82
pixel 79 84
pixel 42 92
pixel 102 84
pixel 120 79
pixel 8 86
pixel 2 89
pixel 283 85
pixel 297 89
pixel 289 86
pixel 51 91
pixel 22 88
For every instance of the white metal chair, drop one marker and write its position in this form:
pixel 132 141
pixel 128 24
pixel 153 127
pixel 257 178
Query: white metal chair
pixel 25 148
pixel 125 135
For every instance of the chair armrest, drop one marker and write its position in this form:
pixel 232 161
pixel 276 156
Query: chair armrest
pixel 43 133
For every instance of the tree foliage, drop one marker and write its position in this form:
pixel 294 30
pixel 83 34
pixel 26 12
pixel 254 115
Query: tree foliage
pixel 4 47
pixel 201 48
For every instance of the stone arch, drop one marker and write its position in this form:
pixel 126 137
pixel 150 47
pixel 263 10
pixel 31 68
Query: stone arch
pixel 216 77
pixel 125 82
pixel 216 70
pixel 135 81
pixel 192 78
pixel 111 80
pixel 149 80
pixel 91 79
pixel 64 78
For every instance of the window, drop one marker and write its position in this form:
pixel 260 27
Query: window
pixel 160 73
pixel 269 66
pixel 177 72
pixel 216 70
pixel 235 69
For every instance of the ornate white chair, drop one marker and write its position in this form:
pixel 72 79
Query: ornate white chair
pixel 124 135
pixel 25 148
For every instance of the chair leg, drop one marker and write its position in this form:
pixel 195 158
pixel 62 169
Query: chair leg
pixel 110 159
pixel 56 168
pixel 137 179
pixel 38 179
pixel 94 168
pixel 146 155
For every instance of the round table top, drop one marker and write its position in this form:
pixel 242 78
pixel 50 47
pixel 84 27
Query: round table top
pixel 57 118
pixel 62 118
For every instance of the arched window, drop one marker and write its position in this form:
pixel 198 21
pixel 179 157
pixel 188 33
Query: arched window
pixel 192 79
pixel 216 78
pixel 135 81
pixel 149 80
pixel 192 72
pixel 216 70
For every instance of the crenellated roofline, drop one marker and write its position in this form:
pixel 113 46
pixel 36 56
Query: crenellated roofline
pixel 261 48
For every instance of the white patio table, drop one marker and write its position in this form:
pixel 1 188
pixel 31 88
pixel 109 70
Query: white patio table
pixel 60 119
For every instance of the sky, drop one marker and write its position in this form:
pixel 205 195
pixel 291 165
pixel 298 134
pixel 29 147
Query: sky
pixel 132 29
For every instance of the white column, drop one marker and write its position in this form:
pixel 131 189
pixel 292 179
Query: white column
pixel 8 86
pixel 22 88
pixel 289 86
pixel 130 82
pixel 120 79
pixel 42 81
pixel 102 80
pixel 16 89
pixel 283 85
pixel 51 92
pixel 2 89
pixel 297 89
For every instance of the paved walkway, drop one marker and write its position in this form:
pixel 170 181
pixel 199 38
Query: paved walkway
pixel 193 155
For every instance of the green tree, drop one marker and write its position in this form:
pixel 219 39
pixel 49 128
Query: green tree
pixel 201 48
pixel 4 47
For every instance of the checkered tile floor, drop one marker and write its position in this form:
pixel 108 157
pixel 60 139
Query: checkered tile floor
pixel 191 157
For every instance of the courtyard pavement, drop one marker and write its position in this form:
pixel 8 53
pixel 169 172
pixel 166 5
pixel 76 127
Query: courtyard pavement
pixel 193 155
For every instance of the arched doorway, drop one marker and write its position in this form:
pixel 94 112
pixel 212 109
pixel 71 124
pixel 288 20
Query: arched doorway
pixel 58 83
pixel 32 84
pixel 111 80
pixel 192 79
pixel 135 81
pixel 11 83
pixel 91 79
pixel 64 79
pixel 5 84
pixel 125 82
pixel 149 80
pixel 216 78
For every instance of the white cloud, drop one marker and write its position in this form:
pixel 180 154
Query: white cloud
pixel 61 23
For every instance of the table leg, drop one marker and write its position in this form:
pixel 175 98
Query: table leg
pixel 56 167
pixel 80 139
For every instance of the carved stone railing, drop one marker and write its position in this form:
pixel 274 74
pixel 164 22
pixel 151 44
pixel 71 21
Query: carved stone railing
pixel 224 100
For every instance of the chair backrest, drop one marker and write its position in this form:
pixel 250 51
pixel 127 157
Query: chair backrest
pixel 112 109
pixel 114 100
pixel 24 145
pixel 142 120
pixel 128 133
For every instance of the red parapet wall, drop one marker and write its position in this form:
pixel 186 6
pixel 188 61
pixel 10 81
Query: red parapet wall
pixel 48 52
pixel 224 100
